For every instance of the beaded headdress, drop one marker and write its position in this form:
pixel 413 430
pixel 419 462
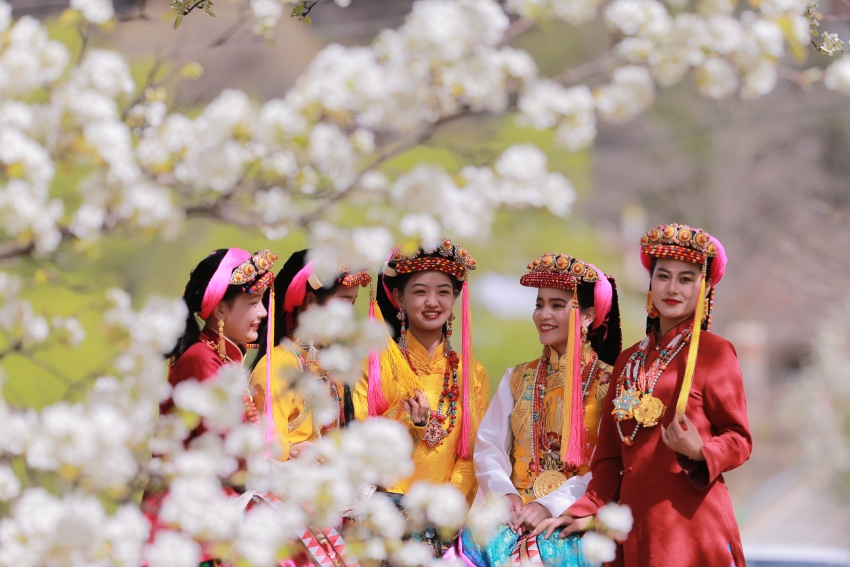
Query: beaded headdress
pixel 694 245
pixel 562 271
pixel 448 258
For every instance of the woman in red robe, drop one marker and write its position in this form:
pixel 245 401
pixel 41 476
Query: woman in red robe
pixel 224 299
pixel 673 422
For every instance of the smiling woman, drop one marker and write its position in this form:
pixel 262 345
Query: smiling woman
pixel 224 300
pixel 535 442
pixel 424 383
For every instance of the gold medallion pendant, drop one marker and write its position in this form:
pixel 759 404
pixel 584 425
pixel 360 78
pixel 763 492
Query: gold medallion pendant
pixel 649 411
pixel 548 482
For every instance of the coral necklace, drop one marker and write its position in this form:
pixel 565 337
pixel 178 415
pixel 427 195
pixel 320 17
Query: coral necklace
pixel 434 432
pixel 635 386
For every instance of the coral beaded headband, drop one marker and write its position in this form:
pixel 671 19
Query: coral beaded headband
pixel 447 258
pixel 682 242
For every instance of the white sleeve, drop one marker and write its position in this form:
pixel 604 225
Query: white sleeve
pixel 558 501
pixel 493 443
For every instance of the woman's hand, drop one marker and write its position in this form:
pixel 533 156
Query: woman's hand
pixel 515 506
pixel 299 448
pixel 417 408
pixel 683 439
pixel 568 523
pixel 251 410
pixel 532 515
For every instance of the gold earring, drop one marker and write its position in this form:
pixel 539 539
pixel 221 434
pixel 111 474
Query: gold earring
pixel 651 310
pixel 222 349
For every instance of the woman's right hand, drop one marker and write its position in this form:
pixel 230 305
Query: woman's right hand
pixel 417 408
pixel 515 505
pixel 569 524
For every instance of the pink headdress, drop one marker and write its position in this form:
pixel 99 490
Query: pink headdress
pixel 221 279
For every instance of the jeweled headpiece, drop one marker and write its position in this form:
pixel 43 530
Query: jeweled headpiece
pixel 560 271
pixel 682 242
pixel 238 267
pixel 448 258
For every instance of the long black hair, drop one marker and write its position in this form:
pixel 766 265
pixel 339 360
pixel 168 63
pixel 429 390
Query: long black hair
pixel 286 323
pixel 193 296
pixel 607 339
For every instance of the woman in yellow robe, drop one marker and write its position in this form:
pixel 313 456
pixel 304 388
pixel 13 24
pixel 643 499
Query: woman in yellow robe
pixel 535 442
pixel 297 289
pixel 440 394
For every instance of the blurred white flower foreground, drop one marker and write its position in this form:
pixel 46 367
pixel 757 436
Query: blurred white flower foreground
pixel 129 165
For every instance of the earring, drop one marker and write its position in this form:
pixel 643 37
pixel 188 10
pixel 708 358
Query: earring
pixel 651 310
pixel 402 339
pixel 583 334
pixel 448 346
pixel 222 350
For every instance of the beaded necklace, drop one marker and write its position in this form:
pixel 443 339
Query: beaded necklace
pixel 543 442
pixel 434 432
pixel 324 376
pixel 635 386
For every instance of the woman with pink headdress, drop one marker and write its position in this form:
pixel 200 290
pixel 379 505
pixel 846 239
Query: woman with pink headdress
pixel 298 289
pixel 225 309
pixel 535 441
pixel 420 379
pixel 674 420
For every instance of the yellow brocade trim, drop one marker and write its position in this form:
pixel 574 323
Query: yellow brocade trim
pixel 522 388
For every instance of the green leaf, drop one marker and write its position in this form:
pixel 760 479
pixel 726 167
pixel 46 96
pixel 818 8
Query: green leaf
pixel 307 21
pixel 177 21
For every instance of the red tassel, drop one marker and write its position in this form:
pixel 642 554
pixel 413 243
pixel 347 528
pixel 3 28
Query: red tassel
pixel 464 449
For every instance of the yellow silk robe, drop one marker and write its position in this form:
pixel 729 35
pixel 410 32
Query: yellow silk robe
pixel 293 419
pixel 438 464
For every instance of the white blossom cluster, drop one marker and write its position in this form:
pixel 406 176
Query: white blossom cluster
pixel 85 152
pixel 727 53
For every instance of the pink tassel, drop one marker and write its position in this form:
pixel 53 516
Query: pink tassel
pixel 297 289
pixel 267 409
pixel 575 451
pixel 375 398
pixel 464 450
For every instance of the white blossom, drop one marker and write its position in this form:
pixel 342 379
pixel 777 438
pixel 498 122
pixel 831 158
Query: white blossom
pixel 95 11
pixel 617 518
pixel 717 78
pixel 837 76
pixel 173 549
pixel 598 549
pixel 440 504
pixel 10 486
pixel 630 92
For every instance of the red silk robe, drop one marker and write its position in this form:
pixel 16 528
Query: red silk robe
pixel 682 510
pixel 202 363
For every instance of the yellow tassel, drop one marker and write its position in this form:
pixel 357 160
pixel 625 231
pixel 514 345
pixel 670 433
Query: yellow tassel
pixel 690 366
pixel 566 366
